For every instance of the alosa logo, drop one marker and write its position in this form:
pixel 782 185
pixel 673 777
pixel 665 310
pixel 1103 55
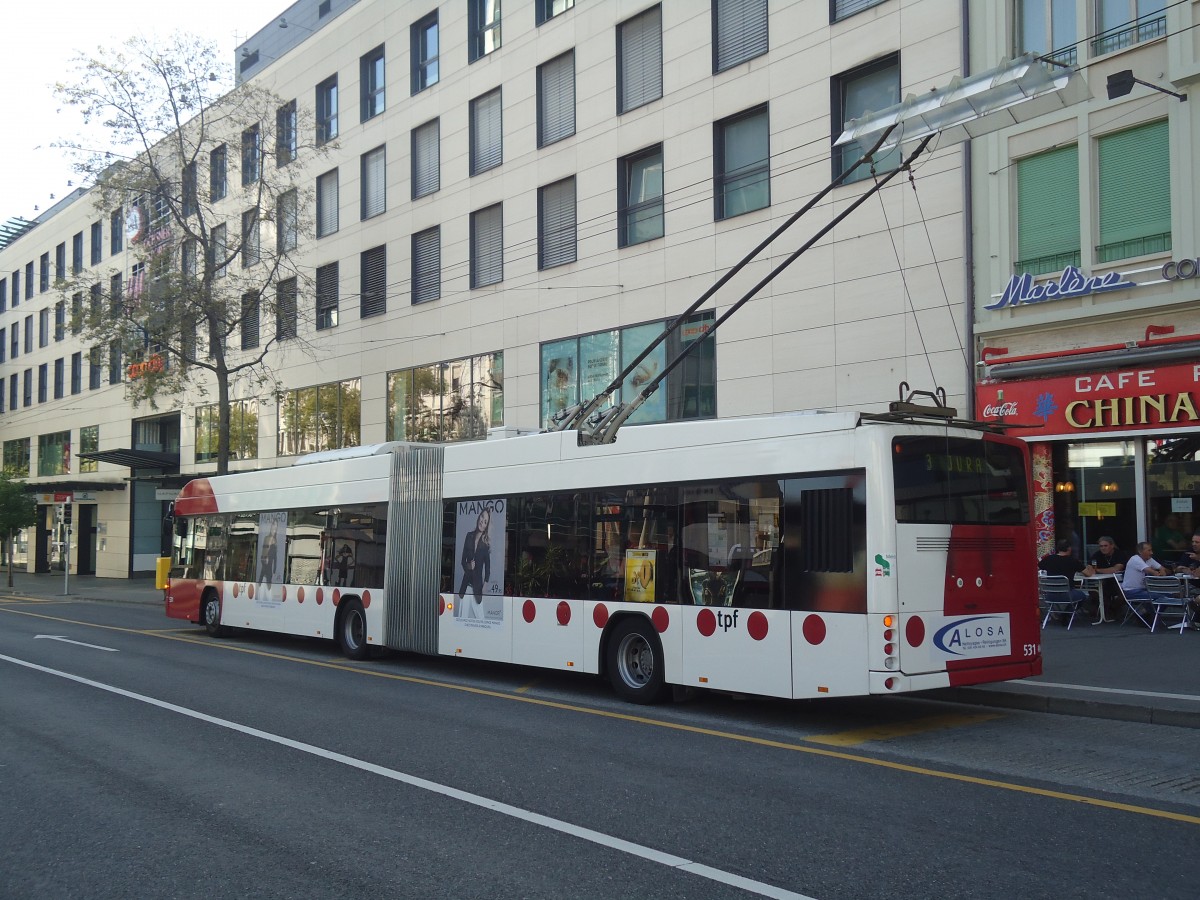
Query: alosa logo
pixel 995 410
pixel 978 636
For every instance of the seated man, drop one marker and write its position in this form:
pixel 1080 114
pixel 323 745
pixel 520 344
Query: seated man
pixel 1107 561
pixel 1139 566
pixel 1189 564
pixel 1062 562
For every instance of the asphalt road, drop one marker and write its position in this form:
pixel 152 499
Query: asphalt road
pixel 149 760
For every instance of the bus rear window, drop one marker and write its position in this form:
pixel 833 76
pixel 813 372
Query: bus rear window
pixel 949 479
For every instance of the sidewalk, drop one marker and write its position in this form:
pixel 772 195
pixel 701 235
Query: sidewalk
pixel 1107 671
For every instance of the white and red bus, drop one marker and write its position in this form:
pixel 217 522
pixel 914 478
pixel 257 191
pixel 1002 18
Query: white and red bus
pixel 807 555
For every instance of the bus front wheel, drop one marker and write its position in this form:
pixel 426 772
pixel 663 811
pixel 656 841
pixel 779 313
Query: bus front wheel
pixel 210 614
pixel 635 661
pixel 352 630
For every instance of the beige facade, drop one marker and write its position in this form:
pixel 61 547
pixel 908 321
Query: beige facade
pixel 879 301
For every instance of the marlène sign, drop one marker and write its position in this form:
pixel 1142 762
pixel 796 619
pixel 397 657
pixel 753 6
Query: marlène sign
pixel 1021 290
pixel 1152 397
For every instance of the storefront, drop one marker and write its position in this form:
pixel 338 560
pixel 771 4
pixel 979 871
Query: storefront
pixel 1115 439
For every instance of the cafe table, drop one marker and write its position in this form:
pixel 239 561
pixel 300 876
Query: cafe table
pixel 1096 583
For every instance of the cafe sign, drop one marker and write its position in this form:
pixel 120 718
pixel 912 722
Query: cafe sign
pixel 1158 397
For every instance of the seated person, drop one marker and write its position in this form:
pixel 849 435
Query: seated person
pixel 1107 560
pixel 1062 562
pixel 1139 566
pixel 1189 560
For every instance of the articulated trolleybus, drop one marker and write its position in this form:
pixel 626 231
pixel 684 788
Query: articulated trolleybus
pixel 807 555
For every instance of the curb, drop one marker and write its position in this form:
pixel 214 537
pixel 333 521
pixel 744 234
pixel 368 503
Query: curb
pixel 1068 706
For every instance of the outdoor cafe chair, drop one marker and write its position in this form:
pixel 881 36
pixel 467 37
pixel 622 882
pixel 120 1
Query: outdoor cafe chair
pixel 1170 599
pixel 1132 607
pixel 1056 597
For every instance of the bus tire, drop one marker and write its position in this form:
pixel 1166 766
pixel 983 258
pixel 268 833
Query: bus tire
pixel 210 614
pixel 635 661
pixel 352 630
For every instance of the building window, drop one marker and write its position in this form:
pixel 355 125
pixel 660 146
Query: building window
pixel 16 285
pixel 217 185
pixel 95 369
pixel 576 369
pixel 219 241
pixel 1047 28
pixel 556 224
pixel 251 248
pixel 874 86
pixel 1135 192
pixel 89 442
pixel 327 296
pixel 251 154
pixel 556 99
pixel 374 182
pixel 487 134
pixel 457 400
pixel 639 60
pixel 371 83
pixel 3 294
pixel 1123 23
pixel 323 417
pixel 4 345
pixel 59 378
pixel 29 280
pixel 426 159
pixel 16 453
pixel 285 309
pixel 640 205
pixel 76 259
pixel 60 265
pixel 427 265
pixel 16 340
pixel 76 373
pixel 373 275
pixel 54 453
pixel 60 320
pixel 327 110
pixel 43 385
pixel 487 246
pixel 285 134
pixel 483 28
pixel 287 225
pixel 1048 211
pixel 424 35
pixel 188 260
pixel 28 334
pixel 44 273
pixel 327 203
pixel 115 370
pixel 27 388
pixel 243 431
pixel 842 9
pixel 548 9
pixel 743 163
pixel 739 32
pixel 249 320
pixel 189 201
pixel 44 327
pixel 97 242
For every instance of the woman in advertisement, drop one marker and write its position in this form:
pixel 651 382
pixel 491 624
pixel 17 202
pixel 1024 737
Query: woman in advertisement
pixel 477 557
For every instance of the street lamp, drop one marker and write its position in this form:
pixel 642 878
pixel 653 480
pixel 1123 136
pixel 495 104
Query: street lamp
pixel 1121 83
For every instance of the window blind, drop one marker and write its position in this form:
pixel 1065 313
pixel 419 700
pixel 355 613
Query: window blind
pixel 641 60
pixel 327 203
pixel 487 137
pixel 426 168
pixel 427 265
pixel 1135 185
pixel 741 31
pixel 556 99
pixel 1048 205
pixel 487 246
pixel 373 297
pixel 374 182
pixel 556 224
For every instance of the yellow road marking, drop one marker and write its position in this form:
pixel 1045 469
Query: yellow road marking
pixel 532 684
pixel 659 723
pixel 900 729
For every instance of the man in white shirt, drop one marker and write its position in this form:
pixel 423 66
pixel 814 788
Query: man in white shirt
pixel 1139 566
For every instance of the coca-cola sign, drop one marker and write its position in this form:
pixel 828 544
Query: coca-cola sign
pixel 996 410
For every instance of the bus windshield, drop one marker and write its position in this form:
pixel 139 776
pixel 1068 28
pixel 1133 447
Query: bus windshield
pixel 959 480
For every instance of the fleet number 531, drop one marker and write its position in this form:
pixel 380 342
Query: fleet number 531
pixel 1033 649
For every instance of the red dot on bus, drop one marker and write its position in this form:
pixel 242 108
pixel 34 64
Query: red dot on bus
pixel 529 611
pixel 337 597
pixel 661 619
pixel 706 622
pixel 563 612
pixel 756 625
pixel 235 589
pixel 914 631
pixel 814 629
pixel 283 592
pixel 320 596
pixel 600 615
pixel 299 595
pixel 250 591
pixel 366 599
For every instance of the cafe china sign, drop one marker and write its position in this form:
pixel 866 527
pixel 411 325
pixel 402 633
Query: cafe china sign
pixel 1021 290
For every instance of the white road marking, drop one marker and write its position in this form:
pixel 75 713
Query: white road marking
pixel 586 834
pixel 65 640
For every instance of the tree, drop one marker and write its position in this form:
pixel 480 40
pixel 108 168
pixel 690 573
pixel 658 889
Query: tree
pixel 211 259
pixel 18 509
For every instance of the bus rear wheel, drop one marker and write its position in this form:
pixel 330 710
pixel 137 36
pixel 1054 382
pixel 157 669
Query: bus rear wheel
pixel 635 662
pixel 210 614
pixel 352 630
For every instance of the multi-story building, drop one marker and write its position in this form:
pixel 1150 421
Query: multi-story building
pixel 1086 313
pixel 509 204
